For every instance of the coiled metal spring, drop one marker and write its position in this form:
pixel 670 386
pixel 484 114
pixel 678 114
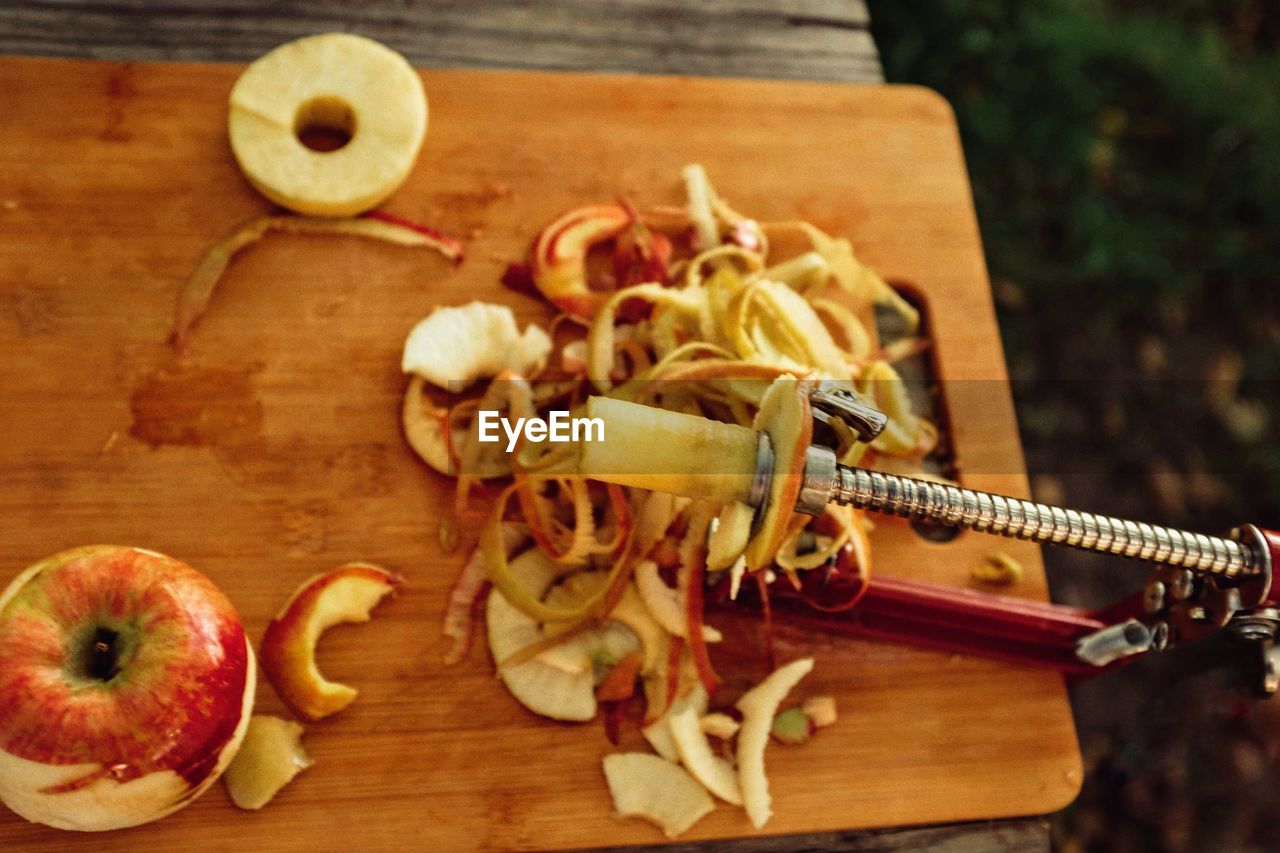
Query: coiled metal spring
pixel 1015 518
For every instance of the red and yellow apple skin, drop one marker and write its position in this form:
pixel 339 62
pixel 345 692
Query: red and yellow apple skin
pixel 559 256
pixel 126 685
pixel 346 594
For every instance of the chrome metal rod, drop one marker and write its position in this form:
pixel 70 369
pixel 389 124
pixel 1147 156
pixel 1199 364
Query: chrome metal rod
pixel 959 507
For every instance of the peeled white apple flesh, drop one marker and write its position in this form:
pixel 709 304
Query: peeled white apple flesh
pixel 666 605
pixel 715 774
pixel 452 347
pixel 648 787
pixel 541 687
pixel 270 756
pixel 758 707
pixel 663 451
pixel 729 538
pixel 338 83
pixel 126 684
pixel 658 733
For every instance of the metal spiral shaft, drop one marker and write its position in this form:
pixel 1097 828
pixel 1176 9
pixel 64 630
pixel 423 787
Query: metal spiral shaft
pixel 959 507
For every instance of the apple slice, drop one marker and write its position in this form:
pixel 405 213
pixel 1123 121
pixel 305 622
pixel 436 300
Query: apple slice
pixel 758 707
pixel 715 774
pixel 544 688
pixel 346 594
pixel 364 94
pixel 648 787
pixel 269 758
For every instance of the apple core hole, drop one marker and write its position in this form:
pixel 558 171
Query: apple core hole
pixel 103 663
pixel 324 124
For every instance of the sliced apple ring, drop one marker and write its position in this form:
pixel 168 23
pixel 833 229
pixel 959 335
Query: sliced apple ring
pixel 346 594
pixel 346 85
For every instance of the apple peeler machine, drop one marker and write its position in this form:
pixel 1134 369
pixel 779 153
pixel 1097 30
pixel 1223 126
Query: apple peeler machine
pixel 1198 585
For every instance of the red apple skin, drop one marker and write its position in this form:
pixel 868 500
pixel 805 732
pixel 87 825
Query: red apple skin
pixel 86 750
pixel 558 258
pixel 289 645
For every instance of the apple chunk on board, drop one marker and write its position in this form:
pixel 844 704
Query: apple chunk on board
pixel 322 475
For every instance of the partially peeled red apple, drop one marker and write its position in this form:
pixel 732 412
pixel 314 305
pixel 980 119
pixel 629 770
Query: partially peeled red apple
pixel 346 594
pixel 126 684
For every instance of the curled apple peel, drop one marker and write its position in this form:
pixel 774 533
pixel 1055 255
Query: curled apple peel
pixel 559 255
pixel 346 594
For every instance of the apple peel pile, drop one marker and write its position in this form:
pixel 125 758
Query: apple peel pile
pixel 595 558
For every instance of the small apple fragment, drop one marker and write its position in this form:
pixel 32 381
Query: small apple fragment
pixel 648 787
pixel 758 707
pixel 792 727
pixel 666 605
pixel 682 689
pixel 346 594
pixel 730 535
pixel 719 725
pixel 821 710
pixel 270 756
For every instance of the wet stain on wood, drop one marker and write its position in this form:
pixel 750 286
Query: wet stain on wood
pixel 196 406
pixel 120 90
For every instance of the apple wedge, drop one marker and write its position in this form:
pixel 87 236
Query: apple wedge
pixel 648 787
pixel 346 594
pixel 555 691
pixel 270 756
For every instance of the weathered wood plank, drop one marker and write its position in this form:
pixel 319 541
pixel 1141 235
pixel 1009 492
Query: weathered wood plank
pixel 790 39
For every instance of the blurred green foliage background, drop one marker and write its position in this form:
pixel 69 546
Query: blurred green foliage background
pixel 1125 162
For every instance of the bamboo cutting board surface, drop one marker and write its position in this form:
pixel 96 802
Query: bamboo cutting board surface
pixel 271 449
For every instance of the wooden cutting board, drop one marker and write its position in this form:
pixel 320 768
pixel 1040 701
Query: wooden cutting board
pixel 271 450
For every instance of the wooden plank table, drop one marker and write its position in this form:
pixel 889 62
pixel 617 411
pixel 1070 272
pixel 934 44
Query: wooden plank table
pixel 792 39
